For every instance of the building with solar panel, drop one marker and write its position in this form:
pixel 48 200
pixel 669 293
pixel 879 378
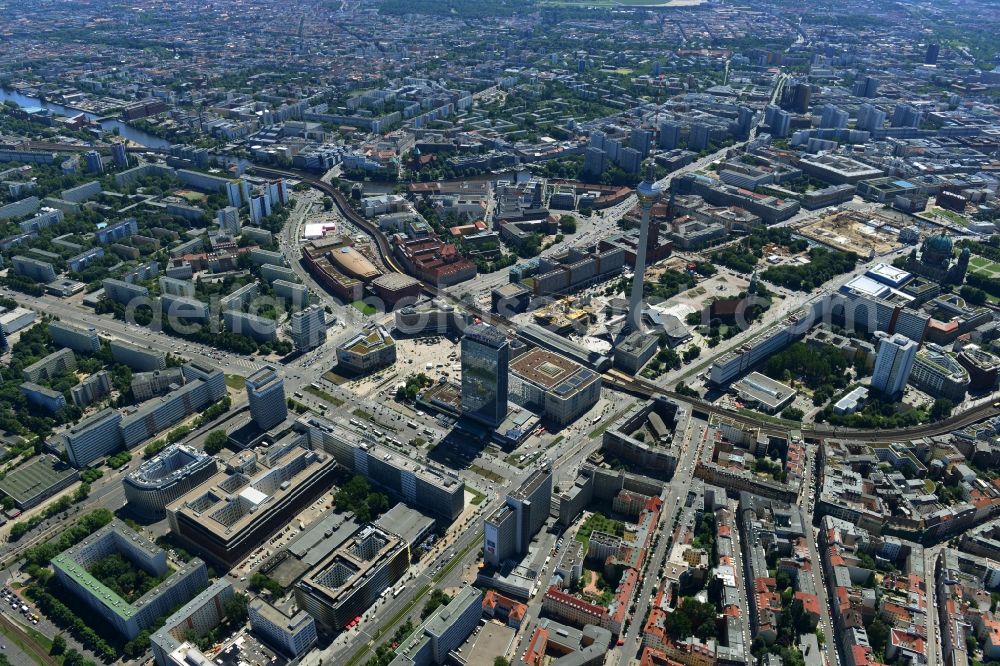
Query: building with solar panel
pixel 560 389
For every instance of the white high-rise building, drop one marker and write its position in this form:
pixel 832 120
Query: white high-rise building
pixel 229 220
pixel 260 207
pixel 308 328
pixel 893 364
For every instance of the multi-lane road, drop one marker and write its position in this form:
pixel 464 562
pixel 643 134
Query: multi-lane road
pixel 677 491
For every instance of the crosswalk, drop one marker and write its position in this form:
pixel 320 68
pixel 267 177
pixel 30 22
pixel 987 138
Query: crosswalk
pixel 242 362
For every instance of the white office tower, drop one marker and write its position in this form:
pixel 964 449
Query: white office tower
pixel 893 364
pixel 308 328
pixel 229 220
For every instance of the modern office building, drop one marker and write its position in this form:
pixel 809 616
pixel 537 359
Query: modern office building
pixel 508 530
pixel 893 364
pixel 429 318
pixel 257 493
pixel 48 367
pixel 500 536
pixel 266 395
pixel 443 632
pixel 127 617
pixel 367 351
pixel 138 358
pixel 93 437
pixel 78 339
pixel 485 367
pixel 204 612
pixel 349 581
pixel 635 351
pixel 307 328
pixel 39 271
pixel 291 635
pixel 556 387
pixel 436 491
pixel 162 479
pixel 937 373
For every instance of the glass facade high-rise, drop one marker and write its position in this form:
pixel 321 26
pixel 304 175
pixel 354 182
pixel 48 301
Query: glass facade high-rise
pixel 485 363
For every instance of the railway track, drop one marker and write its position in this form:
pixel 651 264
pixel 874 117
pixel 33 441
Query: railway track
pixel 636 386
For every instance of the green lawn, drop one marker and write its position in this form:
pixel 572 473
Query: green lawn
pixel 486 473
pixel 236 382
pixel 984 266
pixel 600 523
pixel 364 308
pixel 477 497
pixel 323 395
pixel 951 216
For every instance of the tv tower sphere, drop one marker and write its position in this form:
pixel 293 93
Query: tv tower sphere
pixel 648 190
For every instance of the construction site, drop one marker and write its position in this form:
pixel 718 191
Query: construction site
pixel 865 234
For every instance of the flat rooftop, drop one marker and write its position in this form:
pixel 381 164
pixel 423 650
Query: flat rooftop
pixel 354 561
pixel 532 483
pixel 231 499
pixel 404 522
pixel 763 389
pixel 551 371
pixel 68 564
pixel 889 272
pixel 28 480
pixel 867 286
pixel 172 462
pixel 369 341
pixel 437 476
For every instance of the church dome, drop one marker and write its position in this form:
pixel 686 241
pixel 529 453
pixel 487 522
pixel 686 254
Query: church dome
pixel 940 244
